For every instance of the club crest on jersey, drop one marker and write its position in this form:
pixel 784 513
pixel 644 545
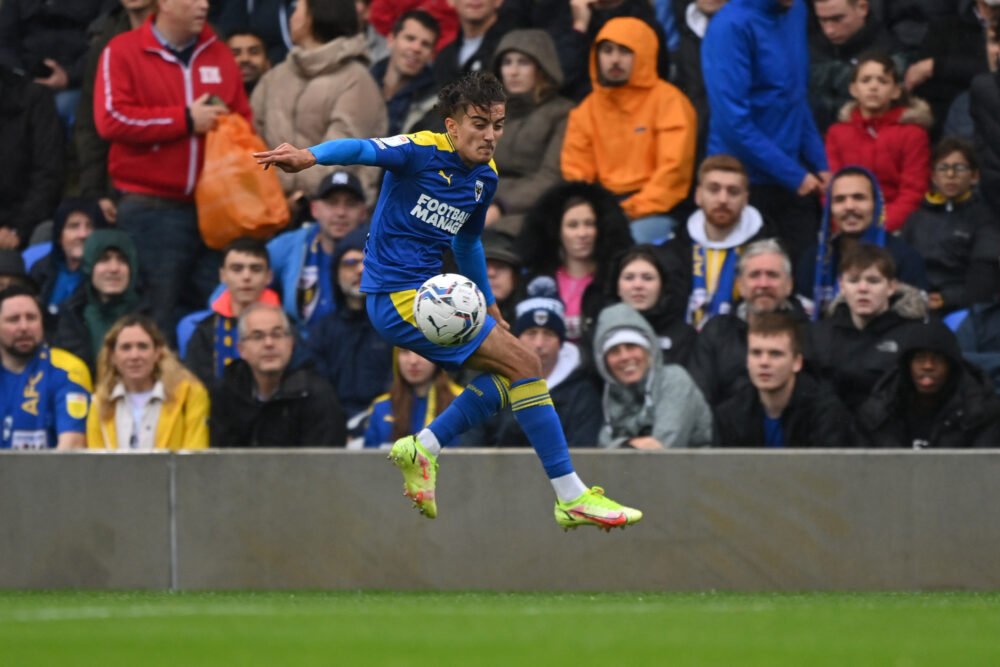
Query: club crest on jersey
pixel 479 190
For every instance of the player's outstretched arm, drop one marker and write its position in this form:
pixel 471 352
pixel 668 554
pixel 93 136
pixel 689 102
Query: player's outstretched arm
pixel 336 151
pixel 287 158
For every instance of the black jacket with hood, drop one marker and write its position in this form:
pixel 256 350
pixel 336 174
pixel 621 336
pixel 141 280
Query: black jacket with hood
pixel 349 353
pixel 967 412
pixel 46 270
pixel 84 319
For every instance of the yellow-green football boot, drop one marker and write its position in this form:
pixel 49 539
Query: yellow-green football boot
pixel 593 508
pixel 419 468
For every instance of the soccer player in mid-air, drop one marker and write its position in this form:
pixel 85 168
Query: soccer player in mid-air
pixel 436 191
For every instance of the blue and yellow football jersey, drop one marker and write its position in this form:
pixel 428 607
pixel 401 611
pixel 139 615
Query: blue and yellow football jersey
pixel 428 196
pixel 51 396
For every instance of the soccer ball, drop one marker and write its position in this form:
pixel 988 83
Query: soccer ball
pixel 449 309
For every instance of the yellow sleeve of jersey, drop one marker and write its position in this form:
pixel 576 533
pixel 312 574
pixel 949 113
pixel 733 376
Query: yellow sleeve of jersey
pixel 74 367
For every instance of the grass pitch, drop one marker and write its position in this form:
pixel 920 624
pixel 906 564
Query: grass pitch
pixel 472 629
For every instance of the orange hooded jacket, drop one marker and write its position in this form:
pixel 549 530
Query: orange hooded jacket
pixel 637 139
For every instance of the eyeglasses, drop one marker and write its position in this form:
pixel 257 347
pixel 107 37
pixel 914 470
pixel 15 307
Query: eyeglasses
pixel 957 168
pixel 260 336
pixel 351 261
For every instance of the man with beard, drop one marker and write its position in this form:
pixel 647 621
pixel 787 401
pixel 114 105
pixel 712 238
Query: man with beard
pixel 932 398
pixel 854 212
pixel 635 134
pixel 44 391
pixel 251 55
pixel 764 281
pixel 702 258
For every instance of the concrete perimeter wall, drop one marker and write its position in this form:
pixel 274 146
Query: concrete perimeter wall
pixel 742 520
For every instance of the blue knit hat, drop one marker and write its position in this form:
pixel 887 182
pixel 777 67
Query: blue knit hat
pixel 542 308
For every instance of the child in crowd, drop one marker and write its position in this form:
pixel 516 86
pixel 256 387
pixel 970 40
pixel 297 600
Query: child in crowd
pixel 884 131
pixel 949 225
pixel 420 391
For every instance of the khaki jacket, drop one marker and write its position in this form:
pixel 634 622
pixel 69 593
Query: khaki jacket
pixel 317 95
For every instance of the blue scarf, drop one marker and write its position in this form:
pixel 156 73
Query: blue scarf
pixel 720 302
pixel 315 288
pixel 825 285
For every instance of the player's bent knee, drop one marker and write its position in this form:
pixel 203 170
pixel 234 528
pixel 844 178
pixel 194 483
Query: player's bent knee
pixel 527 364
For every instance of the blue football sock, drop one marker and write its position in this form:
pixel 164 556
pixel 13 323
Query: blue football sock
pixel 480 400
pixel 533 410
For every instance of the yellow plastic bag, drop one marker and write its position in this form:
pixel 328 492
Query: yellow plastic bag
pixel 234 195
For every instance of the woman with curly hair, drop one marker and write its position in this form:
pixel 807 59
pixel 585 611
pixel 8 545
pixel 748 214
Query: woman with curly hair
pixel 145 399
pixel 572 235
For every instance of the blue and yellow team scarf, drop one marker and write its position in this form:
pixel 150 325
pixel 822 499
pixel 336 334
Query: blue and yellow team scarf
pixel 307 291
pixel 825 285
pixel 226 337
pixel 702 306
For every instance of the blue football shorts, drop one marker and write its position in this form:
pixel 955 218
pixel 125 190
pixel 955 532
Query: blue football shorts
pixel 392 316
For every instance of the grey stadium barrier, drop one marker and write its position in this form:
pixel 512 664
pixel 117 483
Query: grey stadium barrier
pixel 741 520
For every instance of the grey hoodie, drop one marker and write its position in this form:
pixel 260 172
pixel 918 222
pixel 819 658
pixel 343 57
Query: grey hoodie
pixel 666 404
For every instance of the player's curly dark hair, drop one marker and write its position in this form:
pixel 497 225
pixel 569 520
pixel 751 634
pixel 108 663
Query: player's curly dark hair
pixel 480 90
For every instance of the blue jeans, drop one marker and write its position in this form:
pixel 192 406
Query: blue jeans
pixel 655 229
pixel 178 270
pixel 66 103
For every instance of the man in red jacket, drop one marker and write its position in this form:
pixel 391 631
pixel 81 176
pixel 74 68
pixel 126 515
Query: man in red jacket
pixel 159 89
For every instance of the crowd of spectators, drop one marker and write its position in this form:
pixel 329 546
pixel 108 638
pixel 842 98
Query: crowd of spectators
pixel 729 223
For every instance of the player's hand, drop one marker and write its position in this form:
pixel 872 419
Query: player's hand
pixel 287 158
pixel 494 310
pixel 58 79
pixel 205 116
pixel 935 301
pixel 811 185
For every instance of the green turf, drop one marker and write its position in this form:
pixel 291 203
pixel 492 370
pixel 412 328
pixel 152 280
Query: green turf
pixel 519 630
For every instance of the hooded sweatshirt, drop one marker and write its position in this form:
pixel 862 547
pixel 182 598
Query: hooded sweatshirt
pixel 666 404
pixel 965 414
pixel 84 318
pixel 638 140
pixel 894 146
pixel 57 282
pixel 316 95
pixel 528 156
pixel 816 272
pixel 349 353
